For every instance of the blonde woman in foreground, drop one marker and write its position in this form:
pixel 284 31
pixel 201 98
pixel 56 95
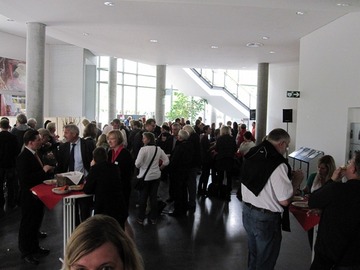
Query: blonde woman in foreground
pixel 100 243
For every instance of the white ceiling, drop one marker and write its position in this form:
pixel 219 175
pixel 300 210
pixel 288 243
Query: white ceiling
pixel 185 29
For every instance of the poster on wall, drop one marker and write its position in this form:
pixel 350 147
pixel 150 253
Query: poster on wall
pixel 12 86
pixel 354 139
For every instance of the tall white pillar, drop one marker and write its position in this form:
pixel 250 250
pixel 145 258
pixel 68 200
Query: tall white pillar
pixel 112 88
pixel 35 65
pixel 160 94
pixel 213 115
pixel 262 100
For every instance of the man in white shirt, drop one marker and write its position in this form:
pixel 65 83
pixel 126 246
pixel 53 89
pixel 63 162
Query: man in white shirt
pixel 266 190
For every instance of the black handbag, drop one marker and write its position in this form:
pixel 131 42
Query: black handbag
pixel 140 182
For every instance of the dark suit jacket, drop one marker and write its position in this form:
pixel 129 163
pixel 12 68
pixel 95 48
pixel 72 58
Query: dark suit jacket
pixel 126 165
pixel 104 181
pixel 8 149
pixel 30 174
pixel 63 155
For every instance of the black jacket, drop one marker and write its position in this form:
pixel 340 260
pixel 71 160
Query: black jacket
pixel 259 163
pixel 8 149
pixel 338 238
pixel 63 155
pixel 104 182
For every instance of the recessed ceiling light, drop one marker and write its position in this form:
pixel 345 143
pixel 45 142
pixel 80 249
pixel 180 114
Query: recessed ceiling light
pixel 254 45
pixel 271 52
pixel 153 40
pixel 214 47
pixel 300 13
pixel 343 4
pixel 265 38
pixel 109 4
pixel 85 34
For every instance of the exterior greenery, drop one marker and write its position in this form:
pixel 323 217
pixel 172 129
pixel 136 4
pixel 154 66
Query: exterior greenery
pixel 186 106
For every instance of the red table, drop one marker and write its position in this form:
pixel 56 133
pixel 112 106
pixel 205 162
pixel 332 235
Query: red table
pixel 306 221
pixel 49 198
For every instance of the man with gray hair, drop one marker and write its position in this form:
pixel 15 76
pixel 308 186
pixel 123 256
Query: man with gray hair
pixel 268 185
pixel 32 123
pixel 19 130
pixel 76 155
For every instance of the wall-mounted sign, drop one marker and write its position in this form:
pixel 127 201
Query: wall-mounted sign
pixel 293 94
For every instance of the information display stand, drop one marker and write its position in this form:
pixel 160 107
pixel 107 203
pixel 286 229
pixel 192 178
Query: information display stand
pixel 306 159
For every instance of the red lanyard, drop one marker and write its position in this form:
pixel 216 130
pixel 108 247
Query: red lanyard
pixel 115 154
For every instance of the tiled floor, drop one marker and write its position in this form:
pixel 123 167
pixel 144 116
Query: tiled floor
pixel 212 238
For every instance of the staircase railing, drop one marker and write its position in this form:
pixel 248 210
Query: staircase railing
pixel 227 84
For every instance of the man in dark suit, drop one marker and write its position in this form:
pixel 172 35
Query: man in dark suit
pixel 76 155
pixel 8 153
pixel 31 172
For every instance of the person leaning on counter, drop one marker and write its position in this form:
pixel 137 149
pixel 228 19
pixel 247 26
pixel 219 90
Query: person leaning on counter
pixel 338 241
pixel 31 172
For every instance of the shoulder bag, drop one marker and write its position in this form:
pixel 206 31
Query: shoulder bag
pixel 139 185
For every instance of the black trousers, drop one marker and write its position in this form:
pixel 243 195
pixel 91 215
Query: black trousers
pixel 180 192
pixel 204 178
pixel 83 209
pixel 8 176
pixel 32 213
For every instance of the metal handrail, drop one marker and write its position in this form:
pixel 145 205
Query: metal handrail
pixel 223 88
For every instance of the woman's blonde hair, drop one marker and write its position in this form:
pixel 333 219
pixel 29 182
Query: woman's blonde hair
pixel 225 130
pixel 189 129
pixel 117 134
pixel 101 140
pixel 96 231
pixel 329 162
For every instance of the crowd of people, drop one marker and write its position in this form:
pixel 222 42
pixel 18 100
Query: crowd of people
pixel 121 154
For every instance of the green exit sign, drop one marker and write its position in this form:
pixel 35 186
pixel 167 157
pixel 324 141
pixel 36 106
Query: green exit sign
pixel 293 94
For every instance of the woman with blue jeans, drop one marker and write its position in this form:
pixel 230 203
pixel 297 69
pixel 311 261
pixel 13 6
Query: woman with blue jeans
pixel 150 152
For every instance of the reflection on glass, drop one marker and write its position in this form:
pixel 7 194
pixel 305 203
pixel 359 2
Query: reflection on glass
pixel 144 69
pixel 104 103
pixel 120 64
pixel 146 81
pixel 104 62
pixel 129 100
pixel 146 101
pixel 119 79
pixel 130 66
pixel 130 79
pixel 104 75
pixel 119 98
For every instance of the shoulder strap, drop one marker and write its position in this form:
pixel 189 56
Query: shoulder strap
pixel 148 168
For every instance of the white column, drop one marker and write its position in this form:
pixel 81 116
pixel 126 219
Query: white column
pixel 262 100
pixel 160 94
pixel 35 62
pixel 112 88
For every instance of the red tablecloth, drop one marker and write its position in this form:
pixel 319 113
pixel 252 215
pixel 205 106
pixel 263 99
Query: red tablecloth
pixel 49 198
pixel 307 222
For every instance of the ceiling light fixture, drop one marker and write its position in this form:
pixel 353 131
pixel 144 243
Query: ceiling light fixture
pixel 254 45
pixel 85 34
pixel 343 4
pixel 109 4
pixel 271 52
pixel 300 13
pixel 214 47
pixel 265 38
pixel 153 40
